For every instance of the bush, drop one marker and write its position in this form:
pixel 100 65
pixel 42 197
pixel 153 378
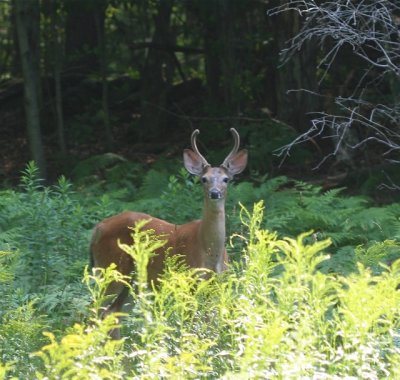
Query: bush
pixel 293 304
pixel 273 315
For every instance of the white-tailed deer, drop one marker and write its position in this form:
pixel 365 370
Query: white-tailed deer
pixel 201 243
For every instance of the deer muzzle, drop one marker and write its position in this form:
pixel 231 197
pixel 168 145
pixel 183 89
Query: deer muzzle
pixel 215 194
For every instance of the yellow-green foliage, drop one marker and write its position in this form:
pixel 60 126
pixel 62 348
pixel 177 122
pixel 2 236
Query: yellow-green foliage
pixel 86 351
pixel 20 335
pixel 146 243
pixel 375 255
pixel 273 315
pixel 4 370
pixel 98 282
pixel 83 353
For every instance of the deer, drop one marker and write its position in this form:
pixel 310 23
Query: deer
pixel 200 243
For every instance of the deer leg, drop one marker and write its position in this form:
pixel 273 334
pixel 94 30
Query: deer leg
pixel 116 307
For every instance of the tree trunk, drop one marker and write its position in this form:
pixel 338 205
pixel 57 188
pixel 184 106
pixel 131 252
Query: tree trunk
pixel 227 55
pixel 217 18
pixel 57 55
pixel 297 74
pixel 27 21
pixel 102 49
pixel 81 36
pixel 59 110
pixel 154 82
pixel 212 41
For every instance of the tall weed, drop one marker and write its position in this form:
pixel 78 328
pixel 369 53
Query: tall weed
pixel 292 305
pixel 272 315
pixel 86 351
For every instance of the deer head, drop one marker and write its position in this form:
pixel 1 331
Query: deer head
pixel 215 179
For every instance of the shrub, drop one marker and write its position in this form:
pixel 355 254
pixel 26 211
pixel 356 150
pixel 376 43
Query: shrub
pixel 299 305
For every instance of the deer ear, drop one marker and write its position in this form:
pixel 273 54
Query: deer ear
pixel 193 162
pixel 237 163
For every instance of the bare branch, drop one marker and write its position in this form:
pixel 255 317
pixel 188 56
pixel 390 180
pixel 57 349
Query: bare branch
pixel 372 30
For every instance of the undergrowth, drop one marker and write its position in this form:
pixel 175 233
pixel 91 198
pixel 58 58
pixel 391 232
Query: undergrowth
pixel 273 316
pixel 322 304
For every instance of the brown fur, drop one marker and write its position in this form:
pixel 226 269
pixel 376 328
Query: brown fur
pixel 201 243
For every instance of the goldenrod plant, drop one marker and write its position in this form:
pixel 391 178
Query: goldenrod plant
pixel 289 306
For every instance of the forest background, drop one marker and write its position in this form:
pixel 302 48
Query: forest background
pixel 103 96
pixel 136 77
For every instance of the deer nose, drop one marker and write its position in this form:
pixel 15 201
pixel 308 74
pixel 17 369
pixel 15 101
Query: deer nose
pixel 215 194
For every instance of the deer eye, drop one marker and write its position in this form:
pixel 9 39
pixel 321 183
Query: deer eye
pixel 204 179
pixel 225 179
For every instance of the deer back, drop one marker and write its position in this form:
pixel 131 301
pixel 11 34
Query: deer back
pixel 180 240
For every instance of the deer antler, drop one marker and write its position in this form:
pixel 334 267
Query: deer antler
pixel 234 150
pixel 195 149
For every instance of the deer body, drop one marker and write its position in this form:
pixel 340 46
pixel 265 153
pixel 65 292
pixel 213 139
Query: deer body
pixel 200 243
pixel 189 237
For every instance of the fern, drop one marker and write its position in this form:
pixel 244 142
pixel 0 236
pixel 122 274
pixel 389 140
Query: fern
pixel 182 200
pixel 7 266
pixel 153 184
pixel 377 254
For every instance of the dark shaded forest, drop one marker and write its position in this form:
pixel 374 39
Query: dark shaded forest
pixel 313 90
pixel 98 100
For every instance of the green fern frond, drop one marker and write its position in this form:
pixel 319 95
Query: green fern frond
pixel 378 253
pixel 153 184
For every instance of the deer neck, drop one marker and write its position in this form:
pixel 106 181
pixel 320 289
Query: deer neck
pixel 212 235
